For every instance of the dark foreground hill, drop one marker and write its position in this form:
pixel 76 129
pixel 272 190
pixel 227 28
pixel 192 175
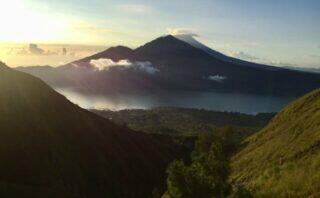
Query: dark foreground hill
pixel 50 147
pixel 283 159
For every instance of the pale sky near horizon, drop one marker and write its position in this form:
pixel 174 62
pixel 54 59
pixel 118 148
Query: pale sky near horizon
pixel 279 32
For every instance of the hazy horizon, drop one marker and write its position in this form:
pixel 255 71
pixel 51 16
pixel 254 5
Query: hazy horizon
pixel 21 54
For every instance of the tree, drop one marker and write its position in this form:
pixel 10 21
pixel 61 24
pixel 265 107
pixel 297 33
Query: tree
pixel 207 175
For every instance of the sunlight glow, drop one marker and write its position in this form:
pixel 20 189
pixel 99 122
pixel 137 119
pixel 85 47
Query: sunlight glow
pixel 21 24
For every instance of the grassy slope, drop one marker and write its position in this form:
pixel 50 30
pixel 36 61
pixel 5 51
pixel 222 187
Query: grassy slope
pixel 52 148
pixel 283 159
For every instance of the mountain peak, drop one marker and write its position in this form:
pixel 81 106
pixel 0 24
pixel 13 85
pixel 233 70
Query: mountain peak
pixel 168 37
pixel 119 48
pixel 165 41
pixel 115 53
pixel 169 46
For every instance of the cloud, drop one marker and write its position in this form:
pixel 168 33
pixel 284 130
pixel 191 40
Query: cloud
pixel 181 31
pixel 146 66
pixel 49 53
pixel 22 52
pixel 104 64
pixel 34 49
pixel 245 56
pixel 276 63
pixel 217 78
pixel 134 8
pixel 261 60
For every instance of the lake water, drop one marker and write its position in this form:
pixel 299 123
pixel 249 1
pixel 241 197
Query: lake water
pixel 244 103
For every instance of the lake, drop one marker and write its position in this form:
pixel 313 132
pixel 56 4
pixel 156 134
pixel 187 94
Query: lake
pixel 244 103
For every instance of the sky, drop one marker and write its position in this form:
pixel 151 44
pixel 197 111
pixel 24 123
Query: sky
pixel 278 32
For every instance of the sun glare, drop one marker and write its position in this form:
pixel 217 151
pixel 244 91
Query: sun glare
pixel 21 24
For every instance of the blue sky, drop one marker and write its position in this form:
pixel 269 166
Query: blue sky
pixel 273 31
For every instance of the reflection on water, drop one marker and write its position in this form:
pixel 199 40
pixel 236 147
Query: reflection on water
pixel 205 100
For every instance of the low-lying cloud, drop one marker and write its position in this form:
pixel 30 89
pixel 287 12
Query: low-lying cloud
pixel 245 56
pixel 105 64
pixel 217 78
pixel 34 50
pixel 261 60
pixel 146 66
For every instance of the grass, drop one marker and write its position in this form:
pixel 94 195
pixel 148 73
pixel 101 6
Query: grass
pixel 283 159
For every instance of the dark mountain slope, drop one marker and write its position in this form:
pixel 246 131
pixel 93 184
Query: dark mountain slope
pixel 115 53
pixel 169 47
pixel 284 158
pixel 192 41
pixel 49 147
pixel 183 67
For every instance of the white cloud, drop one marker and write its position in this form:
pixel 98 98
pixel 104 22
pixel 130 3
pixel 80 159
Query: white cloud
pixel 181 31
pixel 217 78
pixel 245 56
pixel 104 64
pixel 261 60
pixel 146 67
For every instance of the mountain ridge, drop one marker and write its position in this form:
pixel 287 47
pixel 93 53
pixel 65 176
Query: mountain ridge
pixel 275 160
pixel 192 41
pixel 53 148
pixel 177 65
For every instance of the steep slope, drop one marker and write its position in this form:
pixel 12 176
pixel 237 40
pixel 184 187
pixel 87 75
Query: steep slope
pixel 284 158
pixel 167 47
pixel 50 147
pixel 192 41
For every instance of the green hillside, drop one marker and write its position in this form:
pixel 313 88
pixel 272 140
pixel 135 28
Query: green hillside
pixel 186 122
pixel 283 159
pixel 50 147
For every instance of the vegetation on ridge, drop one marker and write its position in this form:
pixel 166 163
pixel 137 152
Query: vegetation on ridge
pixel 186 122
pixel 207 174
pixel 283 159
